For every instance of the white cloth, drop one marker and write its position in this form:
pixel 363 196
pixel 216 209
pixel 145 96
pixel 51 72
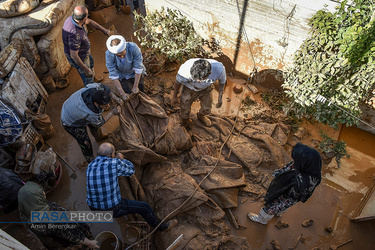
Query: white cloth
pixel 118 48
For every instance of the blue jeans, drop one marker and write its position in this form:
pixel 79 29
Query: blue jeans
pixel 135 207
pixel 89 62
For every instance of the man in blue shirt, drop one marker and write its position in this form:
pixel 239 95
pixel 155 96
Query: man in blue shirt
pixel 124 62
pixel 103 191
pixel 77 44
pixel 196 77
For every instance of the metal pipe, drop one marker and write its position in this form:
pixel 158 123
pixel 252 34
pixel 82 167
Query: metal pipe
pixel 175 243
pixel 67 163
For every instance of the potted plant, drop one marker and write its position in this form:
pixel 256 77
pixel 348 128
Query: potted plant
pixel 332 148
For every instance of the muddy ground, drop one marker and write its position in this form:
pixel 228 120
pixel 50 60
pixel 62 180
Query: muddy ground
pixel 331 205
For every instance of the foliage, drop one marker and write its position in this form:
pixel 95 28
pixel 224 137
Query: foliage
pixel 274 98
pixel 333 70
pixel 168 33
pixel 277 100
pixel 329 145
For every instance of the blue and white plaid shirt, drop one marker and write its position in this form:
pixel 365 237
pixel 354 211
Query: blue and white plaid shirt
pixel 103 191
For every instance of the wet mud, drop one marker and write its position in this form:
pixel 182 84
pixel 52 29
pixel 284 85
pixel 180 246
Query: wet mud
pixel 331 205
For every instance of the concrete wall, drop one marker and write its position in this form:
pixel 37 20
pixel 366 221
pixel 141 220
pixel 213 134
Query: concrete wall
pixel 273 29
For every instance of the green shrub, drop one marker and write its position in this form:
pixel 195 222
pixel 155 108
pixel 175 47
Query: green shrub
pixel 336 62
pixel 337 148
pixel 169 34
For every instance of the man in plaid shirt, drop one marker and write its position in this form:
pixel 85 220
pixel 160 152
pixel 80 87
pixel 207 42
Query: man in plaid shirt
pixel 103 191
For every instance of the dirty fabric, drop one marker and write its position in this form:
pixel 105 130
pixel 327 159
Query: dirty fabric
pixel 203 227
pixel 253 144
pixel 145 127
pixel 167 187
pixel 42 122
pixel 223 183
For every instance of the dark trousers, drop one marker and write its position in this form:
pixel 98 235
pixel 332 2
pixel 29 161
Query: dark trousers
pixel 136 4
pixel 134 207
pixel 83 139
pixel 89 62
pixel 127 85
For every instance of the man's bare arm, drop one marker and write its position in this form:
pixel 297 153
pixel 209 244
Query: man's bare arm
pixel 97 26
pixel 78 61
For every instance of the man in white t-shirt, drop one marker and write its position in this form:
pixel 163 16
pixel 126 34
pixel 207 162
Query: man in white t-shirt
pixel 196 77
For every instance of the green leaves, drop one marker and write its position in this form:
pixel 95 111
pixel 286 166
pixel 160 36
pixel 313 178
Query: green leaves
pixel 336 62
pixel 169 34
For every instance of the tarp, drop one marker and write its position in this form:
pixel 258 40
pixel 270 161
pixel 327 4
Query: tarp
pixel 171 167
pixel 146 133
pixel 167 187
pixel 253 144
pixel 223 183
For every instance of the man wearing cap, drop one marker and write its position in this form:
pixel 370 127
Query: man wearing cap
pixel 77 44
pixel 124 62
pixel 84 108
pixel 196 77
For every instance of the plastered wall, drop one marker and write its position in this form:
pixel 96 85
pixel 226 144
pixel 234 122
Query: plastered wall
pixel 272 30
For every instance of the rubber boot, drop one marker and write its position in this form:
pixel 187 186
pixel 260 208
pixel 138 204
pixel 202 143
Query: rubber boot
pixel 204 119
pixel 262 217
pixel 187 123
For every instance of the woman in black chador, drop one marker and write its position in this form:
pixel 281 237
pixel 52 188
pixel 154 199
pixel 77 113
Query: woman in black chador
pixel 295 182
